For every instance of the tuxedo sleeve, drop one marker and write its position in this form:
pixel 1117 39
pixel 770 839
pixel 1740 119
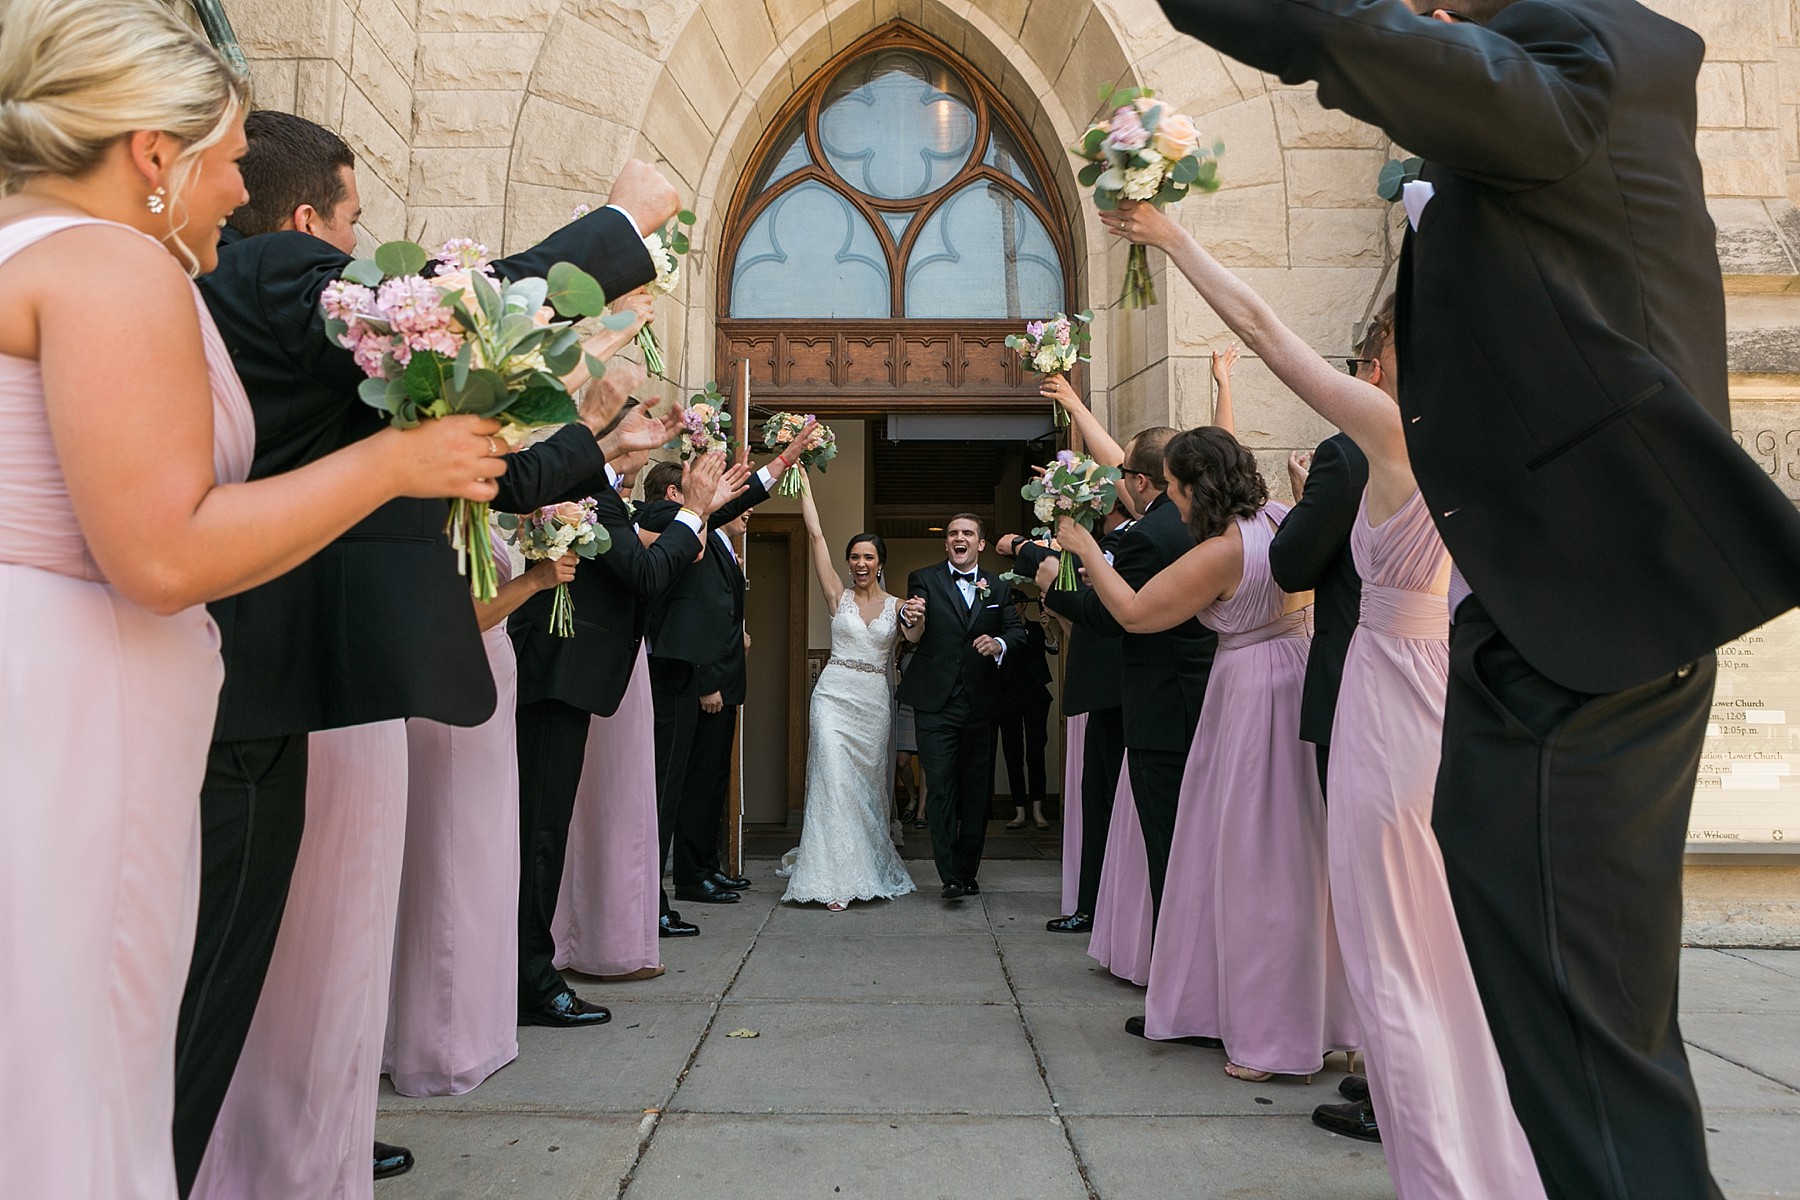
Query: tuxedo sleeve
pixel 568 465
pixel 1135 559
pixel 1012 629
pixel 649 571
pixel 1030 555
pixel 1315 531
pixel 603 243
pixel 292 271
pixel 1461 95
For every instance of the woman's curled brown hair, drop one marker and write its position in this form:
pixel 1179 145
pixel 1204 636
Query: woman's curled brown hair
pixel 1219 474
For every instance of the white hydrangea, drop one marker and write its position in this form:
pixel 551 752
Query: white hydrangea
pixel 668 265
pixel 1142 183
pixel 1044 507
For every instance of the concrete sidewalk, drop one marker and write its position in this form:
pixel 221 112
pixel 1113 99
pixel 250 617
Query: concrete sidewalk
pixel 915 1049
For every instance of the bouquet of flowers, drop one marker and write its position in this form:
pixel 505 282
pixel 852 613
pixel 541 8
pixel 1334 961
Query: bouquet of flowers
pixel 664 245
pixel 1144 150
pixel 705 425
pixel 1052 347
pixel 551 532
pixel 464 341
pixel 1075 487
pixel 781 429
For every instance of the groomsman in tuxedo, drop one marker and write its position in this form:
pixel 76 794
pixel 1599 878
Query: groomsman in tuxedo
pixel 566 681
pixel 1311 553
pixel 688 632
pixel 378 626
pixel 1164 674
pixel 1093 685
pixel 963 623
pixel 1561 335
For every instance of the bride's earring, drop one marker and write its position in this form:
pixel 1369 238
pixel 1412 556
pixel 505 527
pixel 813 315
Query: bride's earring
pixel 155 202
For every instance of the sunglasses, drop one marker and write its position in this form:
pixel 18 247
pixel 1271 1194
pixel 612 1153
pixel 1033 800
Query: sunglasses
pixel 1351 364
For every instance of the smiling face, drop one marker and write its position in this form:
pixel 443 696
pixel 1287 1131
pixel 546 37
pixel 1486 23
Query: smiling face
pixel 963 543
pixel 213 190
pixel 865 565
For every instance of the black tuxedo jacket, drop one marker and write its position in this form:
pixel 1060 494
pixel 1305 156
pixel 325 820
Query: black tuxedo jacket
pixel 1027 665
pixel 1561 320
pixel 1311 553
pixel 378 625
pixel 701 621
pixel 613 593
pixel 945 654
pixel 1091 679
pixel 1168 671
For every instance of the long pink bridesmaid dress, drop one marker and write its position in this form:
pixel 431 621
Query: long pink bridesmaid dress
pixel 299 1118
pixel 453 1009
pixel 606 913
pixel 1245 950
pixel 1071 811
pixel 106 713
pixel 1447 1124
pixel 1120 941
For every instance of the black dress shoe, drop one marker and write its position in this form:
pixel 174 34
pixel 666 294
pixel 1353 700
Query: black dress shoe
pixel 731 883
pixel 392 1160
pixel 1354 1087
pixel 565 1010
pixel 971 888
pixel 1135 1027
pixel 954 891
pixel 1354 1120
pixel 705 892
pixel 1073 923
pixel 671 925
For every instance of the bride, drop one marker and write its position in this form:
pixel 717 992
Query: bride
pixel 845 853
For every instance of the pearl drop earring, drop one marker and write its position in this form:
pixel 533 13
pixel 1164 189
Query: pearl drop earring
pixel 155 201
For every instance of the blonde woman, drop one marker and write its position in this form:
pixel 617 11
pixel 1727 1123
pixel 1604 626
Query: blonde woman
pixel 124 436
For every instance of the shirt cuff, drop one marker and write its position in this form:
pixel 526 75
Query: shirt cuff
pixel 1000 658
pixel 628 218
pixel 692 521
pixel 767 479
pixel 612 477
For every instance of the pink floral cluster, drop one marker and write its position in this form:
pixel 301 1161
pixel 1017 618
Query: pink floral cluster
pixel 464 254
pixel 401 318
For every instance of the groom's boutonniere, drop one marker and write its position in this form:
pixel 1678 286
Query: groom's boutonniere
pixel 981 587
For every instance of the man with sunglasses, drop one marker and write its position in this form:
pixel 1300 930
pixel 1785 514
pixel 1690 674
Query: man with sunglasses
pixel 1561 339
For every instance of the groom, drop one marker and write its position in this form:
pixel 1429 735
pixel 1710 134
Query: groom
pixel 963 623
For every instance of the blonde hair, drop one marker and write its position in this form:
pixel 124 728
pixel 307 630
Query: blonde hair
pixel 78 75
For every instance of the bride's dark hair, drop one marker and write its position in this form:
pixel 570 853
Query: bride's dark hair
pixel 1219 474
pixel 874 539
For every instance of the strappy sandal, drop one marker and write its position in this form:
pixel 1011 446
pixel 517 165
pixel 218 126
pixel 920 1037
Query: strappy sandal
pixel 1247 1075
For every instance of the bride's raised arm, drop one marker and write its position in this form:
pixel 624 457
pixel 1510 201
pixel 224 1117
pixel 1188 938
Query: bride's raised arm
pixel 830 582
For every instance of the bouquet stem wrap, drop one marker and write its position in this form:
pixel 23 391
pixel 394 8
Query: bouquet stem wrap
pixel 1140 291
pixel 562 612
pixel 467 530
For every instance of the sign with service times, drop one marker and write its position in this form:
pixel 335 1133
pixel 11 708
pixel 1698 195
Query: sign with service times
pixel 1748 792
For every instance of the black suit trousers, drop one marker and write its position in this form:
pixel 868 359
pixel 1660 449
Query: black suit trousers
pixel 1024 734
pixel 552 744
pixel 675 696
pixel 1102 758
pixel 1156 790
pixel 252 813
pixel 1563 819
pixel 956 745
pixel 703 796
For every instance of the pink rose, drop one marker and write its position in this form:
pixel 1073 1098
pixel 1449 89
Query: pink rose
pixel 1176 137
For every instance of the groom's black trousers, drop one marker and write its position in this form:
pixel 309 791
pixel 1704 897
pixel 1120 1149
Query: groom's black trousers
pixel 552 746
pixel 956 746
pixel 1102 758
pixel 675 697
pixel 1563 820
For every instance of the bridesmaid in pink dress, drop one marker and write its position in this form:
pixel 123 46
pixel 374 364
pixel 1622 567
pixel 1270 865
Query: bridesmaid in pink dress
pixel 607 911
pixel 1446 1119
pixel 1120 941
pixel 124 440
pixel 453 1007
pixel 1247 953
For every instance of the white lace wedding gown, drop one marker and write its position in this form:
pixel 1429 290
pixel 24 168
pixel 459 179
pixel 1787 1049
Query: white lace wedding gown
pixel 845 853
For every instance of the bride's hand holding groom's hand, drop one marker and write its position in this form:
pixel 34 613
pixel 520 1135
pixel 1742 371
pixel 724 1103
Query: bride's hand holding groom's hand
pixel 913 610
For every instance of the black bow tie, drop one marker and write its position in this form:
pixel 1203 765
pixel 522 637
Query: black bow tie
pixel 964 576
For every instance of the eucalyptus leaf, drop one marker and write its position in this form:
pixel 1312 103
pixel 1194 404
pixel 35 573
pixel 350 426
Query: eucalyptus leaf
pixel 529 294
pixel 365 272
pixel 507 521
pixel 1090 173
pixel 573 292
pixel 374 393
pixel 1106 201
pixel 617 321
pixel 561 362
pixel 1090 142
pixel 401 258
pixel 486 297
pixel 1187 170
pixel 679 243
pixel 515 327
pixel 602 539
pixel 596 369
pixel 542 406
pixel 465 358
pixel 686 217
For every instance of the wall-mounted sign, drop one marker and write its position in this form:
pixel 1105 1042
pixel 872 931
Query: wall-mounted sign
pixel 1748 792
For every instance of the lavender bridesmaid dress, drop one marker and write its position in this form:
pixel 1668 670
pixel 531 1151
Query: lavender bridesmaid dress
pixel 1245 949
pixel 299 1118
pixel 1120 941
pixel 106 713
pixel 453 1012
pixel 1071 811
pixel 1447 1124
pixel 606 913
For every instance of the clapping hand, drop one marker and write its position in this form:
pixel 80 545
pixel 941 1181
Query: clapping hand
pixel 701 480
pixel 732 484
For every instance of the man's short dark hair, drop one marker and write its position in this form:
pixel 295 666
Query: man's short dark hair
pixel 1145 454
pixel 290 162
pixel 659 479
pixel 980 528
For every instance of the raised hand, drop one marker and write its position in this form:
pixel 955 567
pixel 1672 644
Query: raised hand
pixel 1223 362
pixel 732 484
pixel 701 482
pixel 1299 466
pixel 453 457
pixel 1058 388
pixel 790 453
pixel 646 194
pixel 607 342
pixel 1136 221
pixel 1075 538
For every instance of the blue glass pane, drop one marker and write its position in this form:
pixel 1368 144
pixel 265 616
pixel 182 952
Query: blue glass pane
pixel 789 156
pixel 897 223
pixel 810 254
pixel 1003 154
pixel 897 124
pixel 983 254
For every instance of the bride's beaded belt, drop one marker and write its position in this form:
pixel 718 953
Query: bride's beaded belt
pixel 856 665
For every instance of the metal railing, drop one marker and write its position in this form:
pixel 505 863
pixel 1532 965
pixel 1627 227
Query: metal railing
pixel 218 28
